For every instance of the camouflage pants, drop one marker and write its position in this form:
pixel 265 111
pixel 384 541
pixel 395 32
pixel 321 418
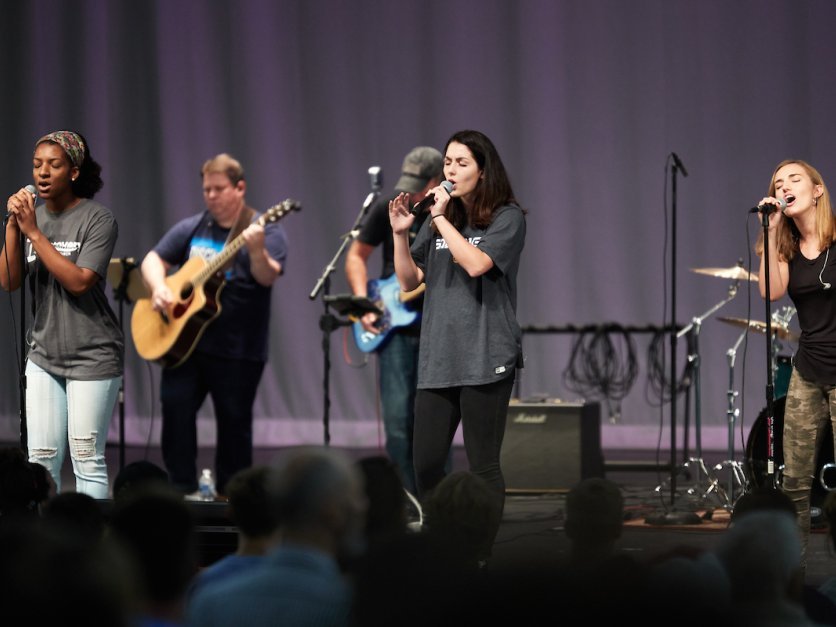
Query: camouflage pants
pixel 808 408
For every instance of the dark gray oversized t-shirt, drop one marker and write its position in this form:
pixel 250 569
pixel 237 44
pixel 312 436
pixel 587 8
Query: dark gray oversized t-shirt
pixel 77 337
pixel 470 334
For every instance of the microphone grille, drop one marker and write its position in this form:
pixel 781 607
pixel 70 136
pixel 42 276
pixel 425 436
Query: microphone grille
pixel 31 189
pixel 449 186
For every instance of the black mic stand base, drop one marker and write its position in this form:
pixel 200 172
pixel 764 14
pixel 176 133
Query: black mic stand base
pixel 674 517
pixel 705 494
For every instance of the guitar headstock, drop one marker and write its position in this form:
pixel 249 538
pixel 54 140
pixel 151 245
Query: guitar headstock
pixel 277 212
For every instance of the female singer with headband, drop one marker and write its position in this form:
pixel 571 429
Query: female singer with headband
pixel 467 254
pixel 75 344
pixel 801 252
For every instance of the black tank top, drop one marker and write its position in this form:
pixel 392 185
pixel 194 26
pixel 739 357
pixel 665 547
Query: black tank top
pixel 812 288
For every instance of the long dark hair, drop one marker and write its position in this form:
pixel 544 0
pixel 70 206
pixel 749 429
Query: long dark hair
pixel 493 189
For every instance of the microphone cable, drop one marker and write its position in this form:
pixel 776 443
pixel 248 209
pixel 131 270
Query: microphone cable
pixel 658 382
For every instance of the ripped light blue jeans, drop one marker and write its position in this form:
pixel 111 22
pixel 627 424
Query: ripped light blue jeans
pixel 62 412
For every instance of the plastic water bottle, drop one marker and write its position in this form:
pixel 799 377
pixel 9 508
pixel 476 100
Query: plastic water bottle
pixel 206 485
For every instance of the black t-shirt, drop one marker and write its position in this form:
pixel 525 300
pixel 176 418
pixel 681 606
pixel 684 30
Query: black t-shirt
pixel 377 231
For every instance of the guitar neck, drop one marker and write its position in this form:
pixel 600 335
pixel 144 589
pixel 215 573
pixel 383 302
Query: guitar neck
pixel 218 261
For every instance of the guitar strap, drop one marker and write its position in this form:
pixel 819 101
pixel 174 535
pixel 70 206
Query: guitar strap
pixel 244 219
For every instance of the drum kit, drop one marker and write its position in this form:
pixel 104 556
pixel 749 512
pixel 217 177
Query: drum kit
pixel 754 472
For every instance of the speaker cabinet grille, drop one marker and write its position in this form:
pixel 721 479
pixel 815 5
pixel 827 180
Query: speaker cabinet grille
pixel 551 446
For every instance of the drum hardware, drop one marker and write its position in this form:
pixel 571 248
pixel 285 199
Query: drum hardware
pixel 823 479
pixel 739 479
pixel 738 273
pixel 756 458
pixel 737 483
pixel 778 331
pixel 705 484
pixel 706 493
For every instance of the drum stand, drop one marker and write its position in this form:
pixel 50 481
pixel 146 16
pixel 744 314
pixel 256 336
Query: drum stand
pixel 705 483
pixel 740 477
pixel 737 483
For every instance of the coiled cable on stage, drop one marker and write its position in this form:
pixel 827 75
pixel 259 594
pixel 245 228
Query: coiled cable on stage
pixel 603 365
pixel 658 382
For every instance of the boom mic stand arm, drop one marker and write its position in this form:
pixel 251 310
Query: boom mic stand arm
pixel 328 322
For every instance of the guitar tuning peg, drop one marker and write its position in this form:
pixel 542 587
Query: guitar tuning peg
pixel 292 205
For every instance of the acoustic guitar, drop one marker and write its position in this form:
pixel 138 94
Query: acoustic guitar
pixel 169 337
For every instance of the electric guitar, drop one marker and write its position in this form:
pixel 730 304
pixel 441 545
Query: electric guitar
pixel 386 294
pixel 169 337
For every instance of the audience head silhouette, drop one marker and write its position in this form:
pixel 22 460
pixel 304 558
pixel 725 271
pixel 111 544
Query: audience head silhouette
pixel 157 532
pixel 762 498
pixel 136 475
pixel 386 516
pixel 594 517
pixel 317 494
pixel 76 513
pixel 761 553
pixel 460 512
pixel 249 502
pixel 19 492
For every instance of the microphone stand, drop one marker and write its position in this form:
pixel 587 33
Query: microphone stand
pixel 120 293
pixel 770 385
pixel 24 431
pixel 676 166
pixel 327 321
pixel 673 517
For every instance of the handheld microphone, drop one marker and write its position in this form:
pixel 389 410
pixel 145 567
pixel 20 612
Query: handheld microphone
pixel 429 200
pixel 768 207
pixel 29 188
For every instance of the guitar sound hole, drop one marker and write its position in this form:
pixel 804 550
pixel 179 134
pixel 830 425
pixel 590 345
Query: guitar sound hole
pixel 186 292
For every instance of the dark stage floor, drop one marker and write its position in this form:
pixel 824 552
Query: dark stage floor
pixel 658 519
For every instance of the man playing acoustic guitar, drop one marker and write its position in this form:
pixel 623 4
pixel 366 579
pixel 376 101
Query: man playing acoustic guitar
pixel 226 355
pixel 398 350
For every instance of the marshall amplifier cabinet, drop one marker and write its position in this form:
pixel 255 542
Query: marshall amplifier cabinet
pixel 550 446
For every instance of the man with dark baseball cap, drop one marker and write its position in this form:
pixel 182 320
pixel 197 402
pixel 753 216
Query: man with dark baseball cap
pixel 420 166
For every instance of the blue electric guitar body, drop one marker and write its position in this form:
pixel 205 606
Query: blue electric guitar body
pixel 386 294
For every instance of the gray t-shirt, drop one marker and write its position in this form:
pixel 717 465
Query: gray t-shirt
pixel 77 337
pixel 470 334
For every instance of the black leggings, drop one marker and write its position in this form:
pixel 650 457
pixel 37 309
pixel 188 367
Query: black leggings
pixel 482 411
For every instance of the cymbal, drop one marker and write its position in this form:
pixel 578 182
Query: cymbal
pixel 135 287
pixel 760 327
pixel 735 272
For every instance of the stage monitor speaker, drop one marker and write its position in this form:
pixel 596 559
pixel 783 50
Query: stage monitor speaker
pixel 550 446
